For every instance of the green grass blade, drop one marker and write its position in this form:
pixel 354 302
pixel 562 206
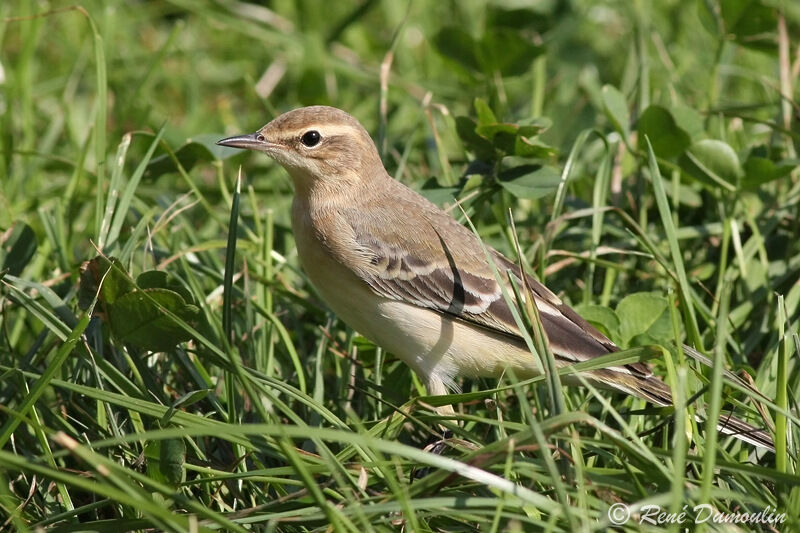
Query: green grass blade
pixel 675 249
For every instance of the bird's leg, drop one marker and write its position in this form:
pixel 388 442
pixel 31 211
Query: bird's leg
pixel 437 443
pixel 436 387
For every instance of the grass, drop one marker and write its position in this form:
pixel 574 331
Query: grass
pixel 647 154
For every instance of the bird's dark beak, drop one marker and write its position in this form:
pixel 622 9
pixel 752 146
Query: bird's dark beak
pixel 252 141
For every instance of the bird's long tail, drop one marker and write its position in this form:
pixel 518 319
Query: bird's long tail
pixel 654 390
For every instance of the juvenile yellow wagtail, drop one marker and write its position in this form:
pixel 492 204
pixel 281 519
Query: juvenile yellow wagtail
pixel 407 276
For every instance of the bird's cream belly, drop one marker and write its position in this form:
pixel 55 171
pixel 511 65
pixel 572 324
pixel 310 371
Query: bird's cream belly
pixel 436 346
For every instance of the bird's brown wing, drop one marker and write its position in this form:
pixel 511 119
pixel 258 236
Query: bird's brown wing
pixel 434 262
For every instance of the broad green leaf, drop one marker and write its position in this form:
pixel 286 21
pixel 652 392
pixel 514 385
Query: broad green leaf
pixel 491 130
pixel 511 139
pixel 159 279
pixel 601 317
pixel 505 142
pixel 689 120
pixel 533 148
pixel 530 181
pixel 490 139
pixel 152 279
pixel 485 113
pixel 703 271
pixel 760 170
pixel 109 272
pixel 667 138
pixel 135 318
pixel 643 313
pixel 712 162
pixel 534 126
pixel 480 146
pixel 616 109
pixel 132 311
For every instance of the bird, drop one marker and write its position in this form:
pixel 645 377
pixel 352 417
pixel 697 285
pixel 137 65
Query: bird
pixel 410 278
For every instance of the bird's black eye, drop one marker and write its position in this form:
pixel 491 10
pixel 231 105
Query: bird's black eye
pixel 310 138
pixel 259 137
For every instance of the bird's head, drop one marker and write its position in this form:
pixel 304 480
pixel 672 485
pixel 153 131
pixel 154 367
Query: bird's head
pixel 318 146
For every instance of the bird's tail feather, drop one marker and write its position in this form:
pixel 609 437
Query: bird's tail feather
pixel 655 391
